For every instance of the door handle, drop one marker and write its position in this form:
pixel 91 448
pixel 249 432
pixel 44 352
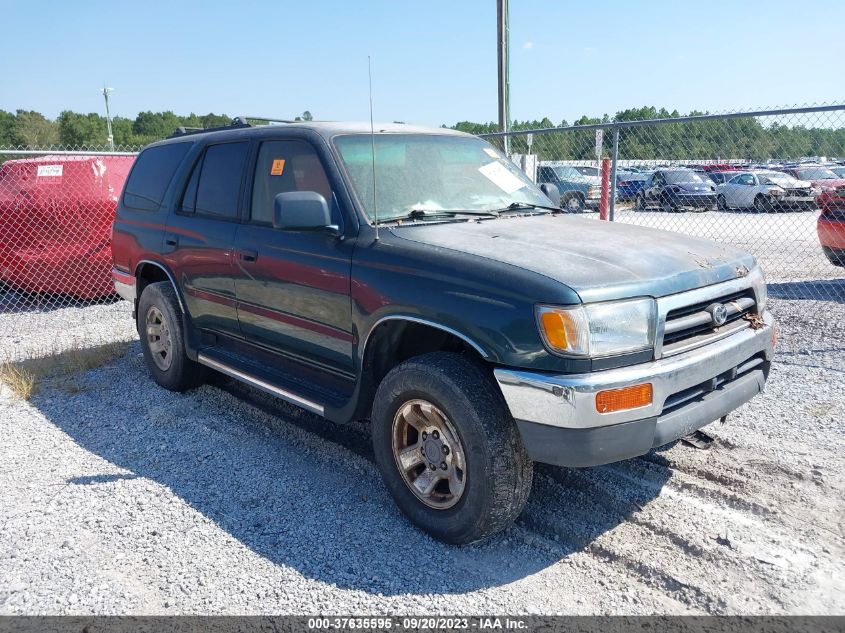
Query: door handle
pixel 171 240
pixel 248 256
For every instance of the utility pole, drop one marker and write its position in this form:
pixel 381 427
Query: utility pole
pixel 106 92
pixel 504 81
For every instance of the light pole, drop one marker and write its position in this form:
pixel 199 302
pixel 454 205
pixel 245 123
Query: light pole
pixel 503 56
pixel 106 92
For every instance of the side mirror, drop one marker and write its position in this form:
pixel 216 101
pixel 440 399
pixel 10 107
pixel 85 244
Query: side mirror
pixel 301 211
pixel 552 193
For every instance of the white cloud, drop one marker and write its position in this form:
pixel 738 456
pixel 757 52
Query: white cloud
pixel 527 46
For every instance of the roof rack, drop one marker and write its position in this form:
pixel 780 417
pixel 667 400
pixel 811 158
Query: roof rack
pixel 237 122
pixel 269 119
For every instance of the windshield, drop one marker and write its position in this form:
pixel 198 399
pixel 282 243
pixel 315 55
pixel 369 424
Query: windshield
pixel 434 173
pixel 682 176
pixel 816 173
pixel 588 171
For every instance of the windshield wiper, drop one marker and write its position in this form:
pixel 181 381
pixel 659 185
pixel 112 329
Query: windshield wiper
pixel 424 214
pixel 519 206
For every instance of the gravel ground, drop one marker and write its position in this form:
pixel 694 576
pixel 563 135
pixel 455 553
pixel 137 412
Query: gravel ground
pixel 120 497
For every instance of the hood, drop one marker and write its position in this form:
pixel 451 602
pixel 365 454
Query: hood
pixel 598 260
pixel 829 183
pixel 796 184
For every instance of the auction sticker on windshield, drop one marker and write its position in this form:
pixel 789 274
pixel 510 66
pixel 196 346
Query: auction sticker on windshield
pixel 499 175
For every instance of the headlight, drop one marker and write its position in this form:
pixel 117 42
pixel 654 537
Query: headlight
pixel 775 192
pixel 599 329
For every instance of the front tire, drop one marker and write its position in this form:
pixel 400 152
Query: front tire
pixel 639 202
pixel 574 203
pixel 448 449
pixel 162 334
pixel 762 204
pixel 667 206
pixel 721 203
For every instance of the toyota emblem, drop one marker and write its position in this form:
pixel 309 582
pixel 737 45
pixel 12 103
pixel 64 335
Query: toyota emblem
pixel 719 313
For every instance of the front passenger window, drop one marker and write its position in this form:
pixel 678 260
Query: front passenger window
pixel 285 166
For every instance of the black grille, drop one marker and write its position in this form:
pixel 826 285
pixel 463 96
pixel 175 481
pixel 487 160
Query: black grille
pixel 693 324
pixel 799 192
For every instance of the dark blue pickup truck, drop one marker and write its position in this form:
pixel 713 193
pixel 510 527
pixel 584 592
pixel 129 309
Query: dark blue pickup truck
pixel 416 278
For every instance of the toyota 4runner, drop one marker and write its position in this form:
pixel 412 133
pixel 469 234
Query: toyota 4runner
pixel 416 278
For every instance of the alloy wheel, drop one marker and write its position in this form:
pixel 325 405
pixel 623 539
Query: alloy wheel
pixel 429 454
pixel 159 338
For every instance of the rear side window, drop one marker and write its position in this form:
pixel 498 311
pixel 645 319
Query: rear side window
pixel 215 186
pixel 152 174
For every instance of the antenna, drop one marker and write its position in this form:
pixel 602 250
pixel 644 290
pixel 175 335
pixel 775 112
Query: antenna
pixel 373 144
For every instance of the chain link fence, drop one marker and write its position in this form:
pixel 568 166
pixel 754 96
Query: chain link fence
pixel 770 182
pixel 56 211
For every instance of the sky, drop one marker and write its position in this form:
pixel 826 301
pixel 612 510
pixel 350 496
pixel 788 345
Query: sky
pixel 433 61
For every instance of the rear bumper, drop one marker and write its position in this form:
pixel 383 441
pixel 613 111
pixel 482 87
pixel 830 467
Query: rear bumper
pixel 559 422
pixel 124 284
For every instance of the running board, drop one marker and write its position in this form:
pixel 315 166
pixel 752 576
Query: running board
pixel 258 383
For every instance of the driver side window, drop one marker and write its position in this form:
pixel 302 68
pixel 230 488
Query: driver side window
pixel 285 166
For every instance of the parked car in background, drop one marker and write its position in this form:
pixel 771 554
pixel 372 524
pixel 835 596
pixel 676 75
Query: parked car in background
pixel 818 175
pixel 718 177
pixel 675 189
pixel 56 213
pixel 629 184
pixel 577 191
pixel 839 170
pixel 831 225
pixel 765 191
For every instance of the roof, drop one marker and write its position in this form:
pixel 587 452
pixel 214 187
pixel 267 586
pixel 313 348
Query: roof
pixel 326 129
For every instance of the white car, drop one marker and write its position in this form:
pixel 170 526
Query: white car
pixel 766 191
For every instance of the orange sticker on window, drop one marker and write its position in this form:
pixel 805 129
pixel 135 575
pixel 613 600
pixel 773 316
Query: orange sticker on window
pixel 278 167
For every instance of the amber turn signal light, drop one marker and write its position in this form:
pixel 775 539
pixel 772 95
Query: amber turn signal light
pixel 622 399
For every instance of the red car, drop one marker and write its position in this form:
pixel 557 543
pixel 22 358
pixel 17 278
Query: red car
pixel 818 175
pixel 831 225
pixel 56 213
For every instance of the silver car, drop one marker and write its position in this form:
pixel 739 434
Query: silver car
pixel 766 191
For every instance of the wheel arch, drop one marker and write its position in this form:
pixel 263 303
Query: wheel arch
pixel 395 338
pixel 148 271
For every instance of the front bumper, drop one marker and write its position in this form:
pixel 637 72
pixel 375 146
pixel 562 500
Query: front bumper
pixel 559 422
pixel 695 200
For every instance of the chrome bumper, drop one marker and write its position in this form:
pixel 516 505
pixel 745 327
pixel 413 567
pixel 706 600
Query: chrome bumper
pixel 569 400
pixel 124 284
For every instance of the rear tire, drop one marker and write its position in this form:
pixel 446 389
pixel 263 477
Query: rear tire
pixel 834 256
pixel 667 207
pixel 488 476
pixel 162 334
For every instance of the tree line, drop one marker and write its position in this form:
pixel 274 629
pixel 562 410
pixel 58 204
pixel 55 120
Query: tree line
pixel 820 134
pixel 30 129
pixel 748 138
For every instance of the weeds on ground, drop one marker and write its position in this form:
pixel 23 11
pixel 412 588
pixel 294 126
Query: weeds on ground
pixel 25 377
